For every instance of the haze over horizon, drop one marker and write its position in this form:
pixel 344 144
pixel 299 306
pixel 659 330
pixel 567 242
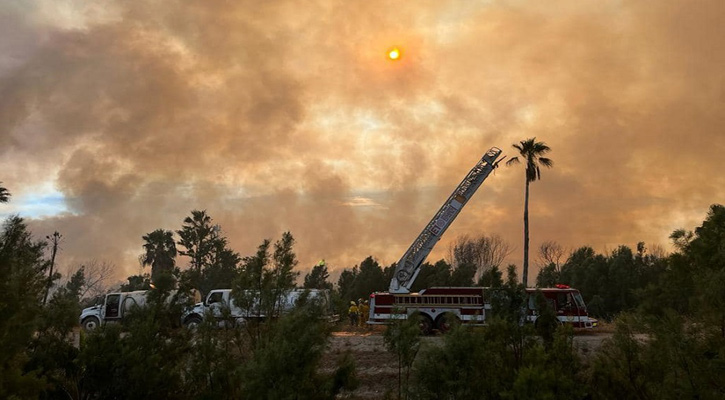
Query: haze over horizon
pixel 120 117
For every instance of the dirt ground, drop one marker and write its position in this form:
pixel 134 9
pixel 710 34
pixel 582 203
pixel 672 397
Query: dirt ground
pixel 377 368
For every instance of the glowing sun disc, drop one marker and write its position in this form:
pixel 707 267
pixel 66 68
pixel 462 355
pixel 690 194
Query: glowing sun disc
pixel 394 53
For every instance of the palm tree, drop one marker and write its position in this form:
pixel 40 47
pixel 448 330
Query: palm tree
pixel 531 152
pixel 160 251
pixel 4 195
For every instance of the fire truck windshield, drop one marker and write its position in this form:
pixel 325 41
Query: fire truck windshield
pixel 578 299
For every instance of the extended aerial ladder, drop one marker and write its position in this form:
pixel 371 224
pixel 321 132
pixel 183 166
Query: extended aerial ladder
pixel 408 267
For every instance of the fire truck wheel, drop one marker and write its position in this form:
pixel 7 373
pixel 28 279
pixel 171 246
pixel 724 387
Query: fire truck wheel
pixel 192 322
pixel 426 325
pixel 446 322
pixel 90 324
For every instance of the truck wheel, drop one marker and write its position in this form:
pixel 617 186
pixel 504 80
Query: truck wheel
pixel 192 322
pixel 446 322
pixel 90 324
pixel 426 325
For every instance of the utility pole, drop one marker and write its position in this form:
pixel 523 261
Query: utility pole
pixel 55 239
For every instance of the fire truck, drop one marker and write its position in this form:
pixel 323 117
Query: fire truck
pixel 438 306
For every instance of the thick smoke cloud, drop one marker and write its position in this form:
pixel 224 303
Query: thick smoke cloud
pixel 281 115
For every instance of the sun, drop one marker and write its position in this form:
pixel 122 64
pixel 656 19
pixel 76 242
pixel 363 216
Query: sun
pixel 394 53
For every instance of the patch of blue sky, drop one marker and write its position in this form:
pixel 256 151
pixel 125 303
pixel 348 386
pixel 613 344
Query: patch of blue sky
pixel 35 205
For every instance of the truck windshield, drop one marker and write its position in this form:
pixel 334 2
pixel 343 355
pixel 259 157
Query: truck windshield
pixel 578 299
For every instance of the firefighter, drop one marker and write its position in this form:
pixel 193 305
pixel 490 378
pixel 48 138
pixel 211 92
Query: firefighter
pixel 360 314
pixel 364 312
pixel 352 313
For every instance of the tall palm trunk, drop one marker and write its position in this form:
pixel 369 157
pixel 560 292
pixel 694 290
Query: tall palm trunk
pixel 531 153
pixel 526 236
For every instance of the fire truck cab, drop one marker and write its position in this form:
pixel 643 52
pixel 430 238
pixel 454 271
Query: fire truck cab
pixel 567 303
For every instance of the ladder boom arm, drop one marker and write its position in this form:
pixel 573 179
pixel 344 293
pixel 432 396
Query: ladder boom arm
pixel 408 267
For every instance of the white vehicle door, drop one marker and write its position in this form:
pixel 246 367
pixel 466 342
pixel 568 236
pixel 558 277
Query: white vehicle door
pixel 215 302
pixel 111 309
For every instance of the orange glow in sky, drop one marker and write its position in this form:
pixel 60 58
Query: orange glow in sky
pixel 275 117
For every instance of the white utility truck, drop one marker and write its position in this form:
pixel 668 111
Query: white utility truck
pixel 117 305
pixel 114 307
pixel 219 299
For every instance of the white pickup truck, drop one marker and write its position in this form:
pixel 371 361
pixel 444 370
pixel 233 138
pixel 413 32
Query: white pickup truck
pixel 219 299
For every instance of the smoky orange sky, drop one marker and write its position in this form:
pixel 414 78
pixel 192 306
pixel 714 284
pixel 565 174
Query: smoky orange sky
pixel 120 117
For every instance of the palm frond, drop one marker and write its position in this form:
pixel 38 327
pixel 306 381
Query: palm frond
pixel 531 151
pixel 547 162
pixel 540 148
pixel 4 195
